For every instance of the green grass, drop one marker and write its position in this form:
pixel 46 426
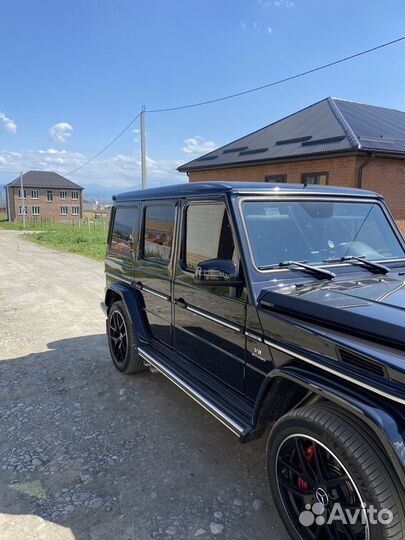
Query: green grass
pixel 64 237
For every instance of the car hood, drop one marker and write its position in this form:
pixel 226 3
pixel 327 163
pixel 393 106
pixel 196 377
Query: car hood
pixel 373 307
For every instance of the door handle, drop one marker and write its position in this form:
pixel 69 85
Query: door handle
pixel 181 302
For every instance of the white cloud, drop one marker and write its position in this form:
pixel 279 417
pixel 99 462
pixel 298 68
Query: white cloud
pixel 60 132
pixel 276 3
pixel 284 3
pixel 198 145
pixel 7 124
pixel 52 151
pixel 269 30
pixel 120 172
pixel 243 25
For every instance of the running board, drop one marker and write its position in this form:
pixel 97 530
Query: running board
pixel 235 427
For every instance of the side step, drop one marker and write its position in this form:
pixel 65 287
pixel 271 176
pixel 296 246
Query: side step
pixel 152 358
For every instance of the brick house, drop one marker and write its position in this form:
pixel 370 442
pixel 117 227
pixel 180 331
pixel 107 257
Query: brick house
pixel 47 196
pixel 333 141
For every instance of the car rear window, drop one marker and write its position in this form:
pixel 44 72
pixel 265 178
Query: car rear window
pixel 125 231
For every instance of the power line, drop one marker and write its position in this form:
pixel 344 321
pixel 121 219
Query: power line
pixel 238 94
pixel 106 147
pixel 274 83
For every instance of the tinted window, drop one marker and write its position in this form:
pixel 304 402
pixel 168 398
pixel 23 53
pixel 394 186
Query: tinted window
pixel 317 231
pixel 315 178
pixel 279 178
pixel 124 233
pixel 159 230
pixel 208 234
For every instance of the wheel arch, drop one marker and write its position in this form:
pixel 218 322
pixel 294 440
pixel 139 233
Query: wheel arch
pixel 134 304
pixel 299 388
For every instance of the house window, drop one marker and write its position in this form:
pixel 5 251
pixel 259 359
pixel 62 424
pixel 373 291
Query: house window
pixel 35 210
pixel 22 210
pixel 75 195
pixel 49 196
pixel 158 231
pixel 75 210
pixel 35 194
pixel 63 210
pixel 19 194
pixel 317 178
pixel 278 178
pixel 62 194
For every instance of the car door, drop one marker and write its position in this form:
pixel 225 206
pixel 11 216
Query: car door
pixel 209 320
pixel 153 273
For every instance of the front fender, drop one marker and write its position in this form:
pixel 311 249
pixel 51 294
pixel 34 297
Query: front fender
pixel 135 305
pixel 382 420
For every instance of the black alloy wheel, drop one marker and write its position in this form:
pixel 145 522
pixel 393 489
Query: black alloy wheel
pixel 118 337
pixel 122 340
pixel 311 481
pixel 331 480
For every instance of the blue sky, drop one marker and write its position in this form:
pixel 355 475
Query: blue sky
pixel 88 66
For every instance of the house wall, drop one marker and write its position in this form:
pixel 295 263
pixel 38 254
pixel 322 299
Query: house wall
pixel 48 210
pixel 385 176
pixel 342 171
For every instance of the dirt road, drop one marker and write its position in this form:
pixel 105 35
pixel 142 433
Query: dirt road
pixel 89 454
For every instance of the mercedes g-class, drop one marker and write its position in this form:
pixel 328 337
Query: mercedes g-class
pixel 280 309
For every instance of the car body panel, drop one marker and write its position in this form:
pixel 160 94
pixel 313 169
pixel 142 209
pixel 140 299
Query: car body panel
pixel 373 307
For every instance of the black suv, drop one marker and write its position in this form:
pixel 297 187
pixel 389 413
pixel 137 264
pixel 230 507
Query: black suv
pixel 279 308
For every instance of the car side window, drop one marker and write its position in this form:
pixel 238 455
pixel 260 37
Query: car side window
pixel 158 232
pixel 208 235
pixel 125 231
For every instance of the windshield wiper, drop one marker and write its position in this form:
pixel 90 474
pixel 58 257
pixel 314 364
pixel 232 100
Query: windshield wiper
pixel 315 270
pixel 374 267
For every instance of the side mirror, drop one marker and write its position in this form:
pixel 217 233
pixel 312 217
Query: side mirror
pixel 217 272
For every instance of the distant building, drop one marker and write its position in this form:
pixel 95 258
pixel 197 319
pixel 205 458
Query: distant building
pixel 47 195
pixel 334 142
pixel 87 205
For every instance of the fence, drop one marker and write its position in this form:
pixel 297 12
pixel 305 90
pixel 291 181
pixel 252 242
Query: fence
pixel 39 222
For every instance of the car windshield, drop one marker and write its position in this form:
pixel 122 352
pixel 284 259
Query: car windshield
pixel 315 231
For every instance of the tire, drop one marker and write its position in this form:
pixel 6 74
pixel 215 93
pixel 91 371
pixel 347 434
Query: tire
pixel 122 340
pixel 317 444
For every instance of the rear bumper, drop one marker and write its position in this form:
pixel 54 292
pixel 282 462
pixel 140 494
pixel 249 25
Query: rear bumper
pixel 104 308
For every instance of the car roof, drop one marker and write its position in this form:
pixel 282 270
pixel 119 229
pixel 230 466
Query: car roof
pixel 238 188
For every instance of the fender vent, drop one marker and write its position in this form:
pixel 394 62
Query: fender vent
pixel 361 362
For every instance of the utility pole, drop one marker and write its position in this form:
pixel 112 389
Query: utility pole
pixel 8 204
pixel 22 198
pixel 143 149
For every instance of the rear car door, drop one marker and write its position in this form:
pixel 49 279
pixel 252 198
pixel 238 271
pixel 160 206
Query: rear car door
pixel 153 272
pixel 209 320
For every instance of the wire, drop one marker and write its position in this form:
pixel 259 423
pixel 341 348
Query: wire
pixel 105 147
pixel 237 94
pixel 274 83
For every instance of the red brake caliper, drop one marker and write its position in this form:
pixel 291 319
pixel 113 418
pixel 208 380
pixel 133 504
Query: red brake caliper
pixel 310 456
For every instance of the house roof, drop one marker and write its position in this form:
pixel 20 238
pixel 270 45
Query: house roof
pixel 204 189
pixel 328 126
pixel 44 179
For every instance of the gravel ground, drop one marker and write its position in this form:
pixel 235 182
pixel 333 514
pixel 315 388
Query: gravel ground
pixel 87 453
